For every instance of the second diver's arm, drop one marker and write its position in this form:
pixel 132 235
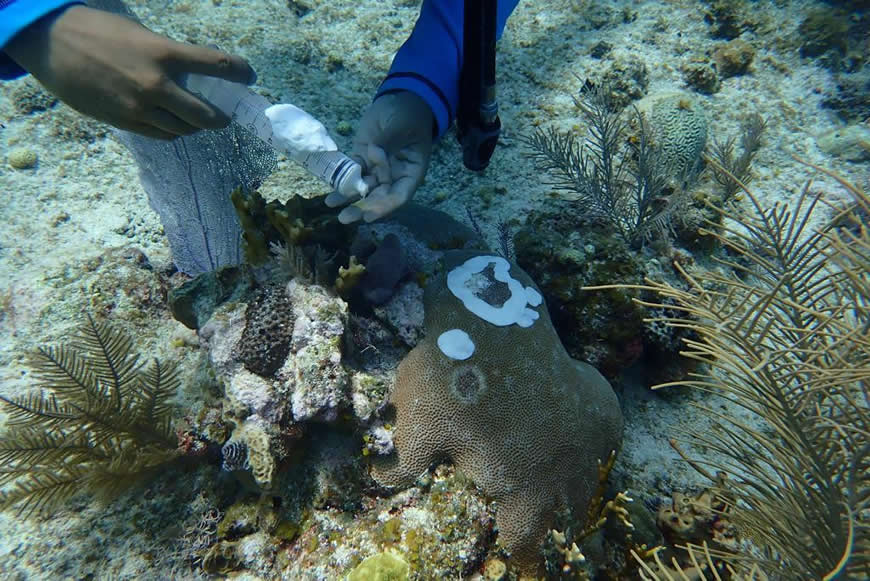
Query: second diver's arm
pixel 430 61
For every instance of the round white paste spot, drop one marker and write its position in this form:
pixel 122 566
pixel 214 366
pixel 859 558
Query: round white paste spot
pixel 456 344
pixel 465 286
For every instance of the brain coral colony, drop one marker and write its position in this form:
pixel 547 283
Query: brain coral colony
pixel 492 390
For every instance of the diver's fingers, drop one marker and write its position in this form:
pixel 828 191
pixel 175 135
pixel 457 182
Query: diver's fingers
pixel 190 58
pixel 350 215
pixel 336 199
pixel 361 161
pixel 146 130
pixel 370 181
pixel 380 203
pixel 378 164
pixel 193 110
pixel 166 121
pixel 354 212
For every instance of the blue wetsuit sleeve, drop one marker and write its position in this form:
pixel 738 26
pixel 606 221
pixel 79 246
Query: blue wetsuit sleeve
pixel 15 16
pixel 429 62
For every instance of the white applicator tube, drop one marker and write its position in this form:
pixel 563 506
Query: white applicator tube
pixel 285 127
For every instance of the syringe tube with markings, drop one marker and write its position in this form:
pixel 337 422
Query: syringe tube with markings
pixel 301 137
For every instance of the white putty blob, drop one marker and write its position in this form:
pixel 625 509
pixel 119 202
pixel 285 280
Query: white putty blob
pixel 297 132
pixel 465 287
pixel 456 344
pixel 306 140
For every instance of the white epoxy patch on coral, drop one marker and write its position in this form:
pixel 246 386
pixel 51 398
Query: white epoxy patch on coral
pixel 466 287
pixel 456 344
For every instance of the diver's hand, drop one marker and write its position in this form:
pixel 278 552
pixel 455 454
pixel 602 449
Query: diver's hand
pixel 393 144
pixel 116 70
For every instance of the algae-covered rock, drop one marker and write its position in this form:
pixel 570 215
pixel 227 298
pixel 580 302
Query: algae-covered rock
pixel 733 58
pixel 404 313
pixel 28 96
pixel 194 302
pixel 627 80
pixel 565 252
pixel 443 529
pixel 729 19
pixel 824 30
pixel 851 142
pixel 604 328
pixel 270 391
pixel 386 566
pixel 700 74
pixel 119 282
pixel 314 375
pixel 22 158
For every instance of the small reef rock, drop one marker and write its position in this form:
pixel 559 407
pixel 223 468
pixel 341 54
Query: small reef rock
pixel 278 358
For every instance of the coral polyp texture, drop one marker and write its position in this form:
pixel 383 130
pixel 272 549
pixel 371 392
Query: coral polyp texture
pixel 680 128
pixel 268 330
pixel 492 390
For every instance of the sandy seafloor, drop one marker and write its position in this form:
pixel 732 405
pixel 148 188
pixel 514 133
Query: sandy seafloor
pixel 83 197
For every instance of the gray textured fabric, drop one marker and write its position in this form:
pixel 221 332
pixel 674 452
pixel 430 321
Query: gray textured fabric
pixel 189 181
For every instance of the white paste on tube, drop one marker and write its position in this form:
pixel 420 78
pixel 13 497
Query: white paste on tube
pixel 297 132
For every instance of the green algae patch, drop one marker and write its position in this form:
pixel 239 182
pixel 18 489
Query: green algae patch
pixel 386 566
